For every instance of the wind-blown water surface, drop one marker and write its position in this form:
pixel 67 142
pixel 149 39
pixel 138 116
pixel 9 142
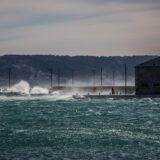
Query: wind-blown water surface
pixel 79 129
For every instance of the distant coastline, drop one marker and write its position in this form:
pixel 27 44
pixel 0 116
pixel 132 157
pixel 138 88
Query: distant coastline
pixel 35 69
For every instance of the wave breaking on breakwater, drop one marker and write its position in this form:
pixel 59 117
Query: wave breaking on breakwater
pixel 39 90
pixel 21 87
pixel 23 90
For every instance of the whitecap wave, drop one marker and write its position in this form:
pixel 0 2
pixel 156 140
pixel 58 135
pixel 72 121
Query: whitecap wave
pixel 21 87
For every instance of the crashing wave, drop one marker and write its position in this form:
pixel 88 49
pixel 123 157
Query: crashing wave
pixel 22 87
pixel 39 91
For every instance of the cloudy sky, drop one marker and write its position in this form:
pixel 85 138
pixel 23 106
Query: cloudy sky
pixel 80 27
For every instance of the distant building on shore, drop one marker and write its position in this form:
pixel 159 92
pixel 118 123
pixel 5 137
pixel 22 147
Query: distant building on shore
pixel 147 77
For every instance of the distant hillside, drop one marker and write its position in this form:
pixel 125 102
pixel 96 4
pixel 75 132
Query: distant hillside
pixel 35 68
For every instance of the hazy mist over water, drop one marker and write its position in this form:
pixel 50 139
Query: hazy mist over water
pixel 46 128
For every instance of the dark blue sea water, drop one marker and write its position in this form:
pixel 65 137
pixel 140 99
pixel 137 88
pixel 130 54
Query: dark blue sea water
pixel 35 129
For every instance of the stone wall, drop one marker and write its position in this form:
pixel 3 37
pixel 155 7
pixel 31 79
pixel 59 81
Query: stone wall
pixel 147 80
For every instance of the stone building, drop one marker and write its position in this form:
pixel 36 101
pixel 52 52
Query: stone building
pixel 147 77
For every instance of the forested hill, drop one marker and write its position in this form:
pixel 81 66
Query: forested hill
pixel 36 68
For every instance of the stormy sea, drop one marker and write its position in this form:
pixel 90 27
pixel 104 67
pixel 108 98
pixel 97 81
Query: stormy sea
pixel 49 128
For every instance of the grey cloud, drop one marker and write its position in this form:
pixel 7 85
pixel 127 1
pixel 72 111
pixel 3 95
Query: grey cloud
pixel 29 13
pixel 80 26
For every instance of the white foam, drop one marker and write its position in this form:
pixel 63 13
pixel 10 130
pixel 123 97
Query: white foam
pixel 21 87
pixel 39 90
pixel 58 95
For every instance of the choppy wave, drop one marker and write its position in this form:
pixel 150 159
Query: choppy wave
pixel 79 129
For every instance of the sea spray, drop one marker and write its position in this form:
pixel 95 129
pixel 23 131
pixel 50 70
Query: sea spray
pixel 24 87
pixel 55 93
pixel 61 95
pixel 39 90
pixel 21 87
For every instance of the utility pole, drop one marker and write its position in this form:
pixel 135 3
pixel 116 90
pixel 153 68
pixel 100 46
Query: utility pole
pixel 58 77
pixel 94 75
pixel 125 78
pixel 113 78
pixel 9 77
pixel 101 76
pixel 72 77
pixel 51 77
